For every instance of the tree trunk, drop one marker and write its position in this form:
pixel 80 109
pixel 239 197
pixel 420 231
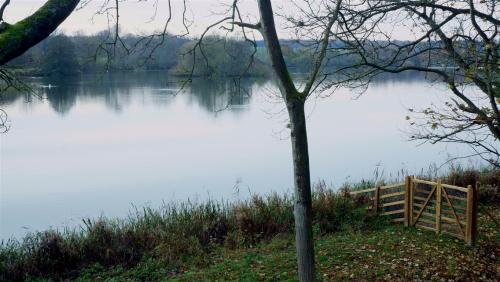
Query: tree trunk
pixel 302 183
pixel 295 106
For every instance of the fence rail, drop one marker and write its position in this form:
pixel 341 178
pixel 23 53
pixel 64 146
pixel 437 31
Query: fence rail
pixel 435 206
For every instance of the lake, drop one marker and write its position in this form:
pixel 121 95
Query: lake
pixel 97 145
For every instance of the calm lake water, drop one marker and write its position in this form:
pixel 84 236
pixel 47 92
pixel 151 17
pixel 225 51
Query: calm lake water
pixel 98 145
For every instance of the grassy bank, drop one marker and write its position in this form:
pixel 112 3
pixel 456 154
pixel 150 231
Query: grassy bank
pixel 393 253
pixel 191 241
pixel 174 234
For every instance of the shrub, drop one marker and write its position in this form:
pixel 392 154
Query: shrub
pixel 173 233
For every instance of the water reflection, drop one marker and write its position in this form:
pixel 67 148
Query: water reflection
pixel 217 95
pixel 114 90
pixel 60 92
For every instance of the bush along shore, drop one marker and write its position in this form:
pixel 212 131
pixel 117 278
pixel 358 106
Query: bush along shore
pixel 253 239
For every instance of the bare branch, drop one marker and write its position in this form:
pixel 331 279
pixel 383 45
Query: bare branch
pixel 2 9
pixel 325 42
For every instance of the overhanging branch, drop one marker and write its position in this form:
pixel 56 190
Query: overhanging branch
pixel 18 38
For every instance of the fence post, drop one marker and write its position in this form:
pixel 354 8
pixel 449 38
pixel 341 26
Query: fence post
pixel 438 206
pixel 407 200
pixel 412 183
pixel 470 234
pixel 476 211
pixel 376 200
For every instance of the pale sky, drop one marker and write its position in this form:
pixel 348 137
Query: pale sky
pixel 138 16
pixel 135 16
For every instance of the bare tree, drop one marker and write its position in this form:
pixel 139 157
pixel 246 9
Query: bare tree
pixel 294 97
pixel 455 42
pixel 295 100
pixel 113 44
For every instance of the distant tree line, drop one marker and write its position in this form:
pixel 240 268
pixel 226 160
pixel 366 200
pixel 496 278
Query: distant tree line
pixel 61 54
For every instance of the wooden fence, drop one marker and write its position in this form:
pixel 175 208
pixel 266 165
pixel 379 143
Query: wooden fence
pixel 434 206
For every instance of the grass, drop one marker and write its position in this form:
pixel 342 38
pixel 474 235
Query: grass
pixel 172 235
pixel 392 253
pixel 246 240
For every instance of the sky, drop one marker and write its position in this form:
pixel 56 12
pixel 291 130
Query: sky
pixel 137 16
pixel 146 16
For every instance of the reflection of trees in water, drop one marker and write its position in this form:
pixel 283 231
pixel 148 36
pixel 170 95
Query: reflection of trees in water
pixel 408 77
pixel 215 95
pixel 10 96
pixel 118 90
pixel 60 95
pixel 114 90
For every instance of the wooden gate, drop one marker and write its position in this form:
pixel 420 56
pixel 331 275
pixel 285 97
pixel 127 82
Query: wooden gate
pixel 434 206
